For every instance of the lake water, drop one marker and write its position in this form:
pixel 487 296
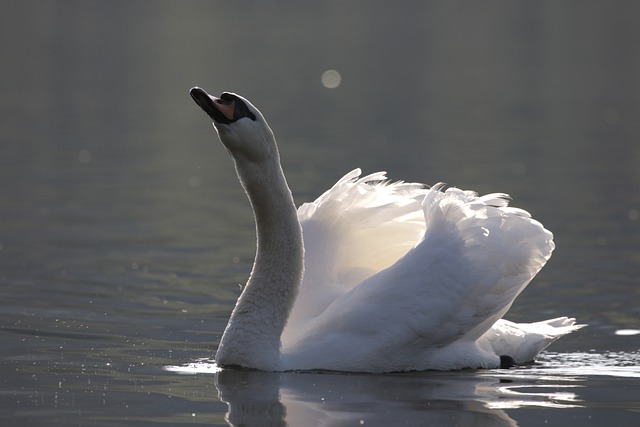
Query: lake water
pixel 124 233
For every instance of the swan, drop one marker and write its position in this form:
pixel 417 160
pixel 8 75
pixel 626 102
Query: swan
pixel 375 276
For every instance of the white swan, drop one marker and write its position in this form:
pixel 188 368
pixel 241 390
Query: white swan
pixel 390 277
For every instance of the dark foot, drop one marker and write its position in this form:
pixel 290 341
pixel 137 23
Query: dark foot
pixel 507 362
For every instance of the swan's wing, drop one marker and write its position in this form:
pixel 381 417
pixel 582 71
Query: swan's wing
pixel 357 228
pixel 488 250
pixel 360 226
pixel 476 255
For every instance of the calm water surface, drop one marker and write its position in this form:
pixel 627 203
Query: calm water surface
pixel 124 234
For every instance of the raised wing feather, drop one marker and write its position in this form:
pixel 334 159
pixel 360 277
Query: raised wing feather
pixel 357 228
pixel 454 268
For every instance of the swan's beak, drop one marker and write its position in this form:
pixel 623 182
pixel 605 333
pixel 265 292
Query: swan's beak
pixel 221 110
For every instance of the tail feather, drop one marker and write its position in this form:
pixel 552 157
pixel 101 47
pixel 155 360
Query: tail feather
pixel 524 341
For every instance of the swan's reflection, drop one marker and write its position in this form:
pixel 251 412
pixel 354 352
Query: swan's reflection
pixel 476 398
pixel 328 399
pixel 428 398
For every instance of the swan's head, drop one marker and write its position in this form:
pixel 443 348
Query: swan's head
pixel 240 126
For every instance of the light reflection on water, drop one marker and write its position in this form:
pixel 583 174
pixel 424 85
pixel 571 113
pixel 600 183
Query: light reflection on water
pixel 587 364
pixel 556 381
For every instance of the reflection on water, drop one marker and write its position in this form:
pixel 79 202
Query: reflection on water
pixel 432 398
pixel 583 365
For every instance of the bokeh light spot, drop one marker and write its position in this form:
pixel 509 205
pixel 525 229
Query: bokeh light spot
pixel 331 79
pixel 84 156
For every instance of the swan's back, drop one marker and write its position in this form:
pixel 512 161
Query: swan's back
pixel 400 277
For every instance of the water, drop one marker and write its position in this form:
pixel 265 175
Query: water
pixel 124 234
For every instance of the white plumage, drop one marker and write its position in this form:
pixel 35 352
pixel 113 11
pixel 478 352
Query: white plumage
pixel 398 277
pixel 376 276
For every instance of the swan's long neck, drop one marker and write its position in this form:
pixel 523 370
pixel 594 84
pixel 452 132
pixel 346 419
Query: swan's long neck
pixel 252 336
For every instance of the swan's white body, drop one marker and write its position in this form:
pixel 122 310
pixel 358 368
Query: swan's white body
pixel 390 277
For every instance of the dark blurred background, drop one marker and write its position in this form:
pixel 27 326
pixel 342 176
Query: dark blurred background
pixel 115 190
